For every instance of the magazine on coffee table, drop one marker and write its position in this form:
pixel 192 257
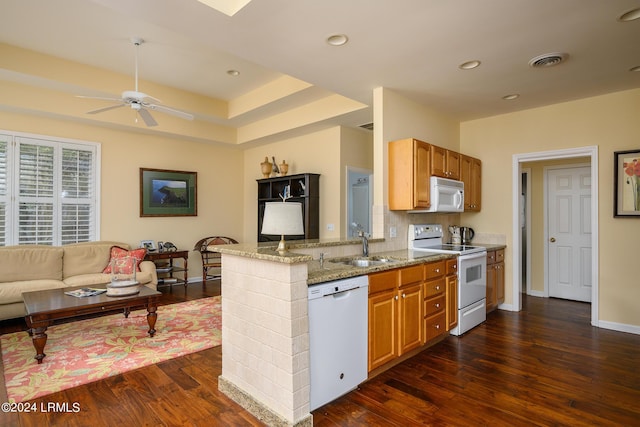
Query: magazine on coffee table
pixel 85 292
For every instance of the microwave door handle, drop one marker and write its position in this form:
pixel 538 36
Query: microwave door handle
pixel 458 199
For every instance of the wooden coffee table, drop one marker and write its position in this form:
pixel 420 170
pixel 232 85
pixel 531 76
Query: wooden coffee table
pixel 44 307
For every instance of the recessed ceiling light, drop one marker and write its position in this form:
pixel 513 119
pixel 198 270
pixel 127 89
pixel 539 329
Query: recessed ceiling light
pixel 233 73
pixel 511 96
pixel 636 68
pixel 337 39
pixel 632 15
pixel 469 65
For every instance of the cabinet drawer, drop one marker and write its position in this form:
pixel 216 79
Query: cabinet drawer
pixel 500 255
pixel 434 269
pixel 414 274
pixel 434 305
pixel 452 266
pixel 383 281
pixel 491 257
pixel 434 326
pixel 434 287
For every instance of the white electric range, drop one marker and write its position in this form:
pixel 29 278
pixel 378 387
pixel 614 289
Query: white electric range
pixel 472 272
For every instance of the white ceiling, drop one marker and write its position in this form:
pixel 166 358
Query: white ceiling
pixel 411 46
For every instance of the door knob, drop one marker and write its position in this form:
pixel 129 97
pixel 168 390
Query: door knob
pixel 552 240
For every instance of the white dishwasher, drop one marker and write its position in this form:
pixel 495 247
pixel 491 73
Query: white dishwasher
pixel 338 322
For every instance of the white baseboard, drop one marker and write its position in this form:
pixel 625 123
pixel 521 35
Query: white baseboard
pixel 506 307
pixel 536 293
pixel 620 327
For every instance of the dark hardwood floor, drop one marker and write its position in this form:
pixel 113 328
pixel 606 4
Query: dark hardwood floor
pixel 543 366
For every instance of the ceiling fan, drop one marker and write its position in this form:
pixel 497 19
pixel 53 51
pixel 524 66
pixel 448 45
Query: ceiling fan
pixel 138 101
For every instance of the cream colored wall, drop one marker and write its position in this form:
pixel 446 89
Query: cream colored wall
pixel 313 153
pixel 609 122
pixel 356 150
pixel 537 216
pixel 397 117
pixel 219 177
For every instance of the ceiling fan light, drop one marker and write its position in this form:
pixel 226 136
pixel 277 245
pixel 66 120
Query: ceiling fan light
pixel 511 96
pixel 635 69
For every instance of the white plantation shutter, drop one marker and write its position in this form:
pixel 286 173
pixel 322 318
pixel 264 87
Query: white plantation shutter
pixel 54 197
pixel 77 196
pixel 35 193
pixel 4 188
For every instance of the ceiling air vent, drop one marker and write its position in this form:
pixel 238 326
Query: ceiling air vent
pixel 548 60
pixel 367 126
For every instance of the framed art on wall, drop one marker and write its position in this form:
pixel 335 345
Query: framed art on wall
pixel 626 181
pixel 168 193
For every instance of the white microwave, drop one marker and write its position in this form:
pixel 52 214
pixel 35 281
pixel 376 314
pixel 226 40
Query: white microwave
pixel 447 195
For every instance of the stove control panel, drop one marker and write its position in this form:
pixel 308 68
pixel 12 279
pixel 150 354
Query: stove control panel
pixel 424 231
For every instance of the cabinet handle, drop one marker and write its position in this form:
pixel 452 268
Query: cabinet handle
pixel 404 296
pixel 437 305
pixel 437 270
pixel 396 297
pixel 437 326
pixel 438 288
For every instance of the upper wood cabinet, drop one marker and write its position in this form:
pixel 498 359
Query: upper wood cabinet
pixel 471 175
pixel 409 174
pixel 445 163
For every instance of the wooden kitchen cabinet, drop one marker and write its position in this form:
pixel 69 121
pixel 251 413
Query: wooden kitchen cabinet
pixel 410 308
pixel 409 174
pixel 435 301
pixel 445 163
pixel 395 314
pixel 471 175
pixel 495 279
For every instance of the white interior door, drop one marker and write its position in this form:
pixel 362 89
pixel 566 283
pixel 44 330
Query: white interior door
pixel 569 237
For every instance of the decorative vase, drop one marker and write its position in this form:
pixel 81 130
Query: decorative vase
pixel 284 168
pixel 123 278
pixel 266 167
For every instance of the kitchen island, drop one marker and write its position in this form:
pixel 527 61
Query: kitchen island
pixel 265 328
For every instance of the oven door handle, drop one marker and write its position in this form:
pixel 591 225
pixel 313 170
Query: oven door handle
pixel 469 257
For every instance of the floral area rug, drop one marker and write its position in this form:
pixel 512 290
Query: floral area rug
pixel 89 350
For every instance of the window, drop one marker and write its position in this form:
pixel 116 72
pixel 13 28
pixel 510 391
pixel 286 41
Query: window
pixel 48 190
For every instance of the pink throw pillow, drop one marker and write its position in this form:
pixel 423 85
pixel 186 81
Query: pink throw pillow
pixel 120 254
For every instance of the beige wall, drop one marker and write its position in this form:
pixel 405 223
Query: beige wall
pixel 610 122
pixel 313 153
pixel 219 171
pixel 397 117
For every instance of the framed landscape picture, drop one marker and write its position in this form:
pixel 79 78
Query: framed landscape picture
pixel 168 193
pixel 626 179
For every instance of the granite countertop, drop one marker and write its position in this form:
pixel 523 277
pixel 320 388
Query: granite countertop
pixel 334 269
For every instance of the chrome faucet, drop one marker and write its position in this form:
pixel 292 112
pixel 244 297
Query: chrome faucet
pixel 365 243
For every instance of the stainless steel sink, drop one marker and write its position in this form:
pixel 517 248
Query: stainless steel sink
pixel 367 262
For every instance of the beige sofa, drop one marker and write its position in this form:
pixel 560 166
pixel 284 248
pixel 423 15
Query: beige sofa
pixel 29 268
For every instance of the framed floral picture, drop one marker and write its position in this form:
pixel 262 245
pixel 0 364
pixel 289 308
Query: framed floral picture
pixel 168 193
pixel 626 194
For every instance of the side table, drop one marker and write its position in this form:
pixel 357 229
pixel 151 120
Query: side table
pixel 165 267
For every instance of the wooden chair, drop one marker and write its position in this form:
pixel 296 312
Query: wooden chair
pixel 211 259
